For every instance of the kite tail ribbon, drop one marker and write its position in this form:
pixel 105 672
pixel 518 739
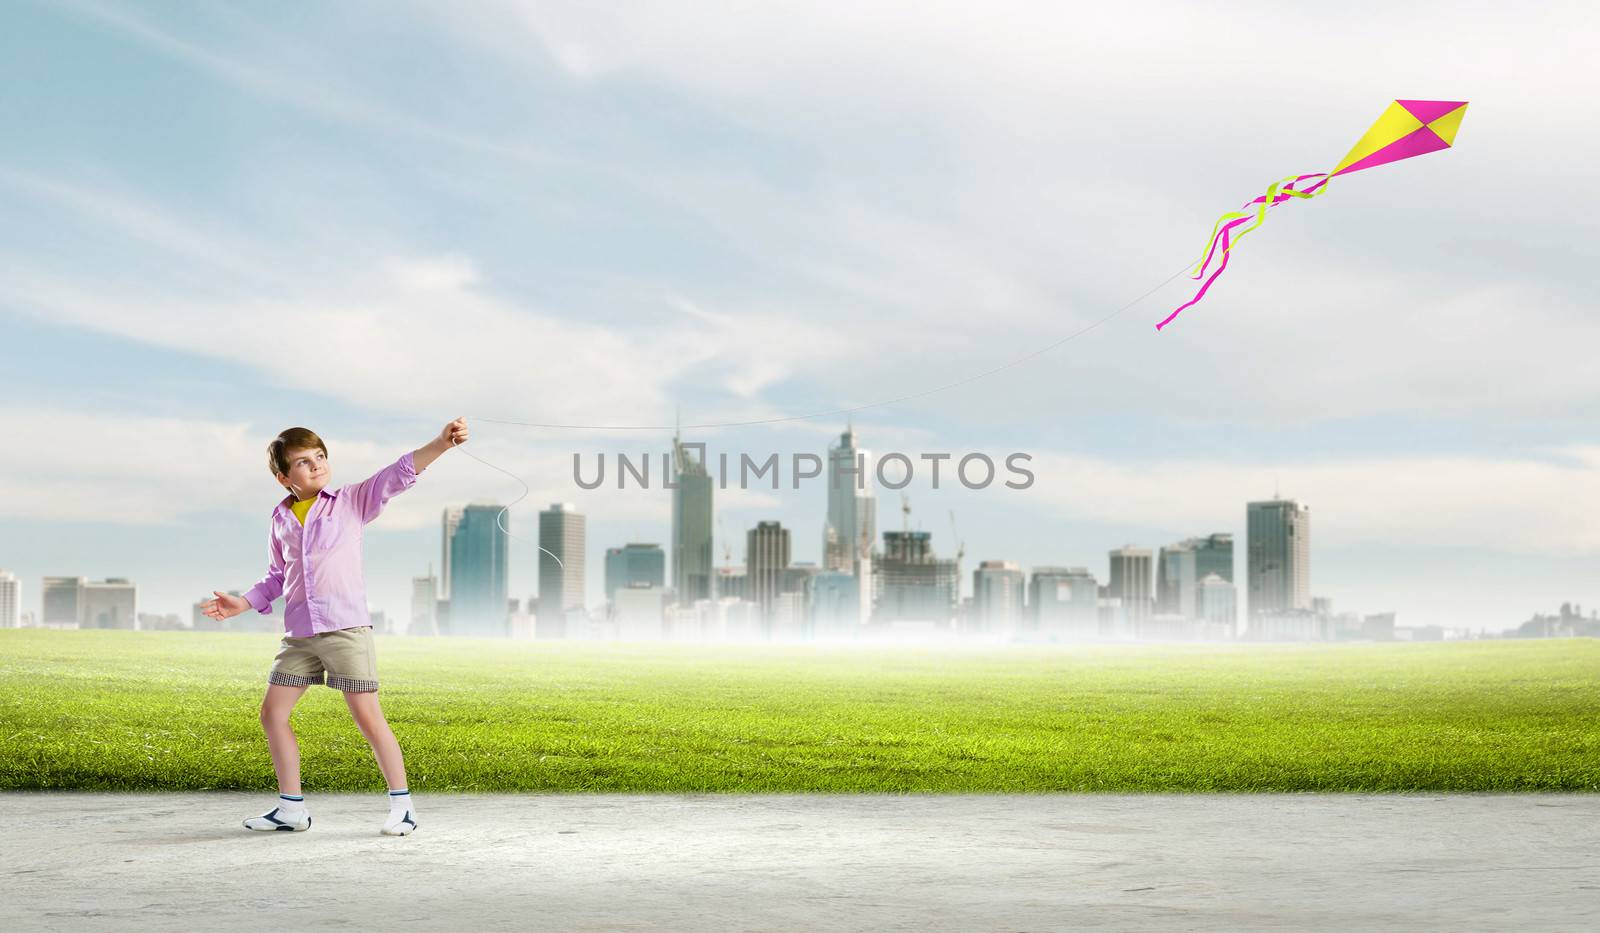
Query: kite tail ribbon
pixel 1222 233
pixel 1222 237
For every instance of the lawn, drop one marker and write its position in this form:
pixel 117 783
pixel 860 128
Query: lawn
pixel 178 711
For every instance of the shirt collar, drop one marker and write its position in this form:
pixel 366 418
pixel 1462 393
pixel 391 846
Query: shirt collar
pixel 288 499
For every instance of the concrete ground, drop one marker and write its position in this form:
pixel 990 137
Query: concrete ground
pixel 81 861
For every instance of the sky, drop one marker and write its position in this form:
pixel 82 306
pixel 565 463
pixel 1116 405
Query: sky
pixel 370 218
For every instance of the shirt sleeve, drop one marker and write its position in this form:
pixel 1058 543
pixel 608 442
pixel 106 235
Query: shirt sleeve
pixel 372 493
pixel 270 587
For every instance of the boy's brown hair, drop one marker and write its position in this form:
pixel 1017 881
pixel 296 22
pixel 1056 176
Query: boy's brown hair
pixel 291 439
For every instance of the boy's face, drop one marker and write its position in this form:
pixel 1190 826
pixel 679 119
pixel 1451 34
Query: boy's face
pixel 308 472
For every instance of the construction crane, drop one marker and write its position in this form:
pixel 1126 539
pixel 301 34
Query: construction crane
pixel 727 560
pixel 905 512
pixel 961 551
pixel 727 548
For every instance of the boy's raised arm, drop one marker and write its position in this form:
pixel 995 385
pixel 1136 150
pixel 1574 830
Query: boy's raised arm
pixel 376 490
pixel 453 434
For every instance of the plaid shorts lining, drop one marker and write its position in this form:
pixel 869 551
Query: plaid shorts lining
pixel 294 680
pixel 351 684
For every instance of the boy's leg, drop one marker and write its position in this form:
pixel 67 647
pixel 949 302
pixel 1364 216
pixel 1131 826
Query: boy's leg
pixel 369 719
pixel 295 668
pixel 374 727
pixel 289 812
pixel 351 658
pixel 352 662
pixel 275 709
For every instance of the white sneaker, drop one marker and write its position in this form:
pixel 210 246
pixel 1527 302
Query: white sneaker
pixel 400 823
pixel 277 819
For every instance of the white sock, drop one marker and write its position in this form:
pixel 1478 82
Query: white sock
pixel 291 805
pixel 402 814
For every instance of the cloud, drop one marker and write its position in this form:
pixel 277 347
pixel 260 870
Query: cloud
pixel 130 216
pixel 993 75
pixel 991 178
pixel 273 75
pixel 432 321
pixel 425 333
pixel 977 183
pixel 82 466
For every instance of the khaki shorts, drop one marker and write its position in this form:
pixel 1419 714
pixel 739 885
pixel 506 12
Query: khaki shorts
pixel 347 656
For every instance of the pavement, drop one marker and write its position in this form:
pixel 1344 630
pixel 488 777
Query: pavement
pixel 74 861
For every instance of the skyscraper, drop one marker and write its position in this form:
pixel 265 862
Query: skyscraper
pixel 636 611
pixel 424 605
pixel 851 523
pixel 997 601
pixel 1180 567
pixel 110 603
pixel 1213 554
pixel 450 520
pixel 479 588
pixel 766 559
pixel 914 585
pixel 1130 582
pixel 1279 559
pixel 10 600
pixel 1218 603
pixel 635 565
pixel 1064 602
pixel 61 602
pixel 832 598
pixel 732 582
pixel 691 525
pixel 1175 579
pixel 561 533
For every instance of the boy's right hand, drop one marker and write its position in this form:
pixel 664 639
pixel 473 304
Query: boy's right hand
pixel 225 606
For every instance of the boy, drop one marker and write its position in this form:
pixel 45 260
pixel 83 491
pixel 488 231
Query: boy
pixel 314 550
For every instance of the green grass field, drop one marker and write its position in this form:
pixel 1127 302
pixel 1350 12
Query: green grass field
pixel 178 711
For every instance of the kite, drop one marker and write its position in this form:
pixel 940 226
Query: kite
pixel 1408 128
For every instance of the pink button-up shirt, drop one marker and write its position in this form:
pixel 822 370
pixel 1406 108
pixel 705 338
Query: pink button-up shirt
pixel 318 567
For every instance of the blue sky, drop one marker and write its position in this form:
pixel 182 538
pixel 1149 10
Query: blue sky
pixel 370 218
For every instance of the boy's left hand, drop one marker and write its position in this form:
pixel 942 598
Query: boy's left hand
pixel 455 433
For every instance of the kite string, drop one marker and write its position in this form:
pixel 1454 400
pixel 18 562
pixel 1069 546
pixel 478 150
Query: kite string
pixel 802 417
pixel 525 492
pixel 641 427
pixel 857 408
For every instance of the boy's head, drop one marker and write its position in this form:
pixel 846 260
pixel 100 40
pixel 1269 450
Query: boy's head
pixel 298 460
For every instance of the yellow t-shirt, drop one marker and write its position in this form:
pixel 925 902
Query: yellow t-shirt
pixel 301 508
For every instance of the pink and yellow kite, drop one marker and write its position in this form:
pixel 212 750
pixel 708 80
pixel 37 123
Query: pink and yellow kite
pixel 1408 128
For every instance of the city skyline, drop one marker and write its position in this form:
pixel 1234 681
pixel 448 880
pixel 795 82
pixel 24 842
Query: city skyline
pixel 1149 582
pixel 904 582
pixel 1189 581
